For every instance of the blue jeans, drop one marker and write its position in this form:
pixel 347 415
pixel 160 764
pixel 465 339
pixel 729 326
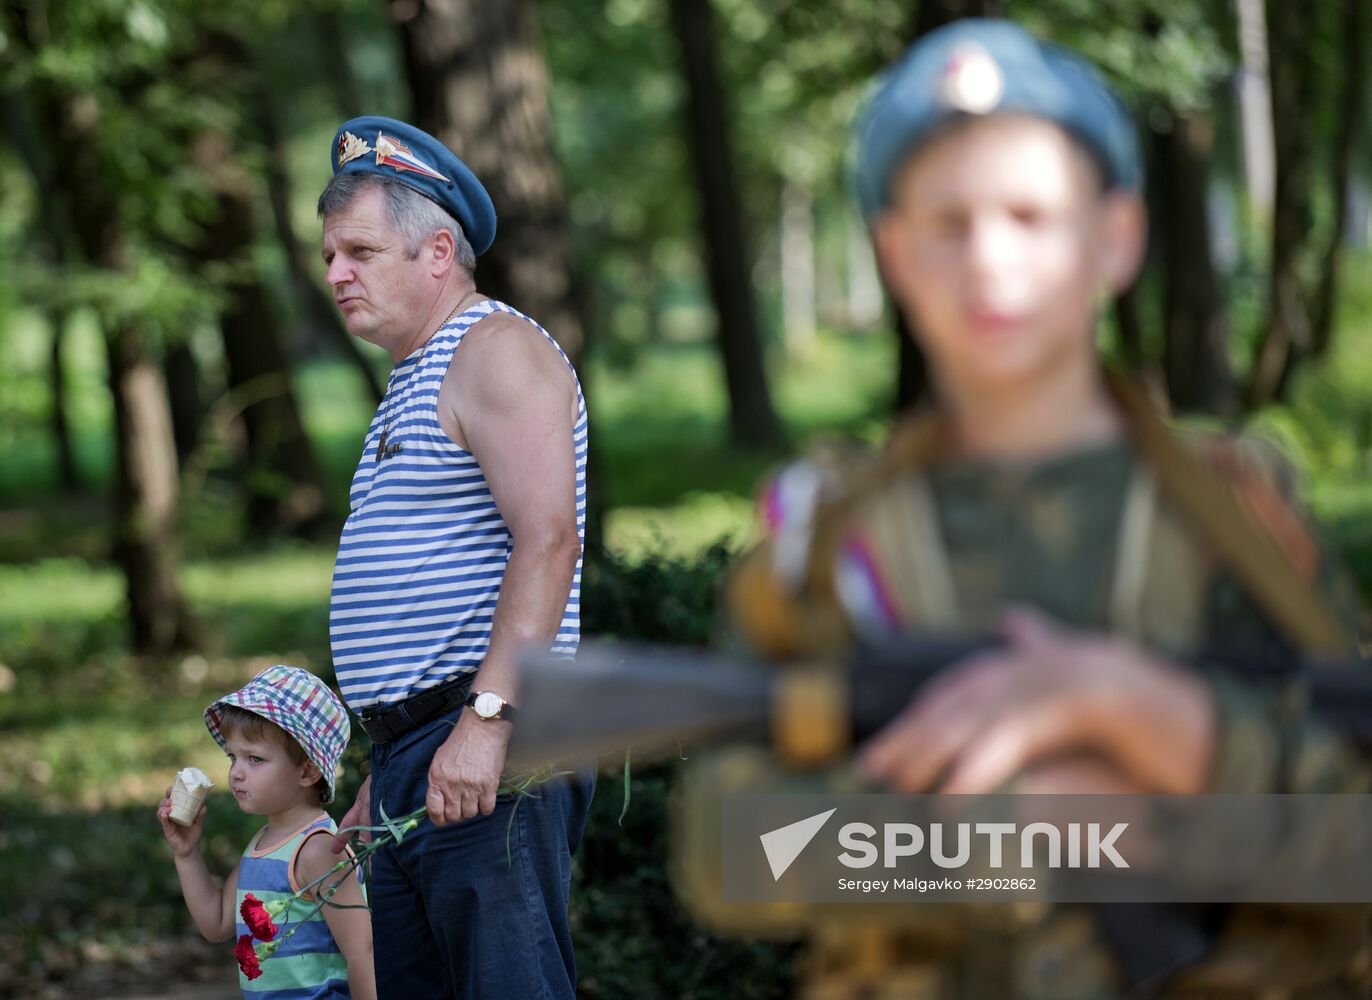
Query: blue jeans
pixel 476 909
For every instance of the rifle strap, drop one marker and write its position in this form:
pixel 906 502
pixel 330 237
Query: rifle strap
pixel 1238 541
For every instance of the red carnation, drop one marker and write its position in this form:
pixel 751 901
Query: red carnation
pixel 257 918
pixel 247 957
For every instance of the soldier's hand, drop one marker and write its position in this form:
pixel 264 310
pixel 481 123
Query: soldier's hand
pixel 1075 774
pixel 1047 692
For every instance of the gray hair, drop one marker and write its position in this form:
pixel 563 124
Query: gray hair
pixel 414 216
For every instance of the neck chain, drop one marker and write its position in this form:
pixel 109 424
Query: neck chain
pixel 382 449
pixel 460 302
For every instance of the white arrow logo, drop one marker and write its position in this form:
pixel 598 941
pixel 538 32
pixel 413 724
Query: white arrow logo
pixel 784 844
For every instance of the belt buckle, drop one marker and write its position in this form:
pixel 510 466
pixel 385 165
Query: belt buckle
pixel 374 726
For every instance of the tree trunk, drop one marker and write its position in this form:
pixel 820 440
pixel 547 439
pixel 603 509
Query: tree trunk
pixel 183 394
pixel 1289 335
pixel 351 98
pixel 797 245
pixel 319 309
pixel 20 131
pixel 1195 322
pixel 933 14
pixel 68 475
pixel 1353 77
pixel 1255 104
pixel 479 83
pixel 1130 327
pixel 281 480
pixel 752 420
pixel 145 543
pixel 912 373
pixel 865 302
pixel 912 367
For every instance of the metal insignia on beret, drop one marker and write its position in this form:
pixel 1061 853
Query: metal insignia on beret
pixel 395 154
pixel 350 147
pixel 972 82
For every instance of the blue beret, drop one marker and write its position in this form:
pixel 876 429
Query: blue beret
pixel 389 148
pixel 982 67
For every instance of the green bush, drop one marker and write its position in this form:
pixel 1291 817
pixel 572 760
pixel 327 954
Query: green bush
pixel 632 937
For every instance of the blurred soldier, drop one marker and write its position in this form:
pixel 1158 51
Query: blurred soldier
pixel 463 545
pixel 1043 498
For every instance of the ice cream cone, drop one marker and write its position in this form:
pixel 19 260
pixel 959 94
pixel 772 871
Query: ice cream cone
pixel 188 792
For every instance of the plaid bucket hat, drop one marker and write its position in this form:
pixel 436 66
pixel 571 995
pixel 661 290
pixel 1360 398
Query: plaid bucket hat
pixel 302 705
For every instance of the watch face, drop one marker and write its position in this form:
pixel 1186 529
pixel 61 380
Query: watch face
pixel 487 704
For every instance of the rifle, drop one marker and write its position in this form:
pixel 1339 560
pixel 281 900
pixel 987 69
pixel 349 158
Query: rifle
pixel 654 698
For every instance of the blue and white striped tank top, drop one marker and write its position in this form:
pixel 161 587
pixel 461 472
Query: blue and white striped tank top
pixel 424 550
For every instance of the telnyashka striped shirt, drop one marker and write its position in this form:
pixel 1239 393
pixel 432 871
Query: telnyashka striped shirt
pixel 423 552
pixel 308 965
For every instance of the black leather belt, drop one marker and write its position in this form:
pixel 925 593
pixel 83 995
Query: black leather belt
pixel 394 721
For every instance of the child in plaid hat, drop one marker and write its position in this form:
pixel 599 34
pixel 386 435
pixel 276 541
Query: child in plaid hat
pixel 284 733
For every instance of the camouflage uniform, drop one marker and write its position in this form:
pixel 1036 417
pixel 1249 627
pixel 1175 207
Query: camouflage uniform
pixel 1118 537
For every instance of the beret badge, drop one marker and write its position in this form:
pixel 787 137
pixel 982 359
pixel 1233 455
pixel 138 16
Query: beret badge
pixel 972 82
pixel 395 154
pixel 350 147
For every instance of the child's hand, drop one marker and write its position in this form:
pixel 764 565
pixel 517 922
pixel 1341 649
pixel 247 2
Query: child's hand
pixel 183 839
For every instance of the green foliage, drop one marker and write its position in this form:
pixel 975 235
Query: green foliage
pixel 122 75
pixel 162 96
pixel 1325 427
pixel 657 599
pixel 794 74
pixel 633 938
pixel 1166 55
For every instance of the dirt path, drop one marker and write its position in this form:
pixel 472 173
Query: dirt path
pixel 185 968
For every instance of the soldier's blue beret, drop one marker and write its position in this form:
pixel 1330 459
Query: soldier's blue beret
pixel 389 148
pixel 984 67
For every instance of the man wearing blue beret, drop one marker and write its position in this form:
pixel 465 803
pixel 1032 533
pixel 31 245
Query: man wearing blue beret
pixel 463 545
pixel 1041 498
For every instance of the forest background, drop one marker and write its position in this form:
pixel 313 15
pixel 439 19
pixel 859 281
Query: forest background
pixel 181 410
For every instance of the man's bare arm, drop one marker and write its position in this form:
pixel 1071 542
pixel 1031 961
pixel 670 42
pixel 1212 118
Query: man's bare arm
pixel 510 399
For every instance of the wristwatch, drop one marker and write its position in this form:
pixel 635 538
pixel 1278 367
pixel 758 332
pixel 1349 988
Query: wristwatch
pixel 489 706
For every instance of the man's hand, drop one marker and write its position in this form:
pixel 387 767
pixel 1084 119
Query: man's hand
pixel 1049 692
pixel 359 815
pixel 465 772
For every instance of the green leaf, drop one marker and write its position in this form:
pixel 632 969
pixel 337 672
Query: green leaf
pixel 391 824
